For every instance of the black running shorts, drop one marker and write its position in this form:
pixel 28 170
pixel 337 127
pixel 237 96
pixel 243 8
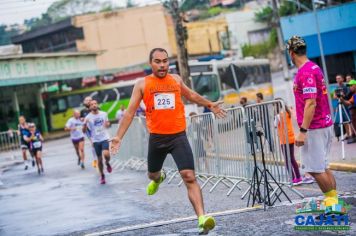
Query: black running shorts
pixel 35 150
pixel 176 144
pixel 100 146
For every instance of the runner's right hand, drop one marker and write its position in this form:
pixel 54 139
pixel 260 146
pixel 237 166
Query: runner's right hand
pixel 115 145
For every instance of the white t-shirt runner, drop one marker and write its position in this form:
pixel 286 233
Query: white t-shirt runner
pixel 78 125
pixel 96 124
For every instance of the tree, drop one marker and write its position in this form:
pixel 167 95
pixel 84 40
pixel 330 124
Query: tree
pixel 287 8
pixel 129 4
pixel 36 22
pixel 265 15
pixel 62 9
pixel 194 4
pixel 6 33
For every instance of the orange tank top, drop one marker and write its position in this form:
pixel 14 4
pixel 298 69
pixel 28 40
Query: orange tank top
pixel 281 129
pixel 164 106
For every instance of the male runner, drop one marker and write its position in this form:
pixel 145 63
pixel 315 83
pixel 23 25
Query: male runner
pixel 83 113
pixel 314 119
pixel 97 121
pixel 161 93
pixel 75 126
pixel 23 131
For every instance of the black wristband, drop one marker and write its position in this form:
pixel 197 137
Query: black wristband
pixel 302 130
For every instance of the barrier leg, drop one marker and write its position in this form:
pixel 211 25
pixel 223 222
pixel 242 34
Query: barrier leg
pixel 233 187
pixel 172 177
pixel 216 184
pixel 207 181
pixel 296 191
pixel 245 193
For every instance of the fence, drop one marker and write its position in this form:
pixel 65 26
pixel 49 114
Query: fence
pixel 134 146
pixel 9 144
pixel 9 141
pixel 222 148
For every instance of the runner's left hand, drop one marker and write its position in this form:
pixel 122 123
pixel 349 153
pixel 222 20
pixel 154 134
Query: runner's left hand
pixel 300 139
pixel 115 145
pixel 217 110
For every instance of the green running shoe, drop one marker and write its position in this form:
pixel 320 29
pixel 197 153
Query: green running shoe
pixel 153 186
pixel 206 223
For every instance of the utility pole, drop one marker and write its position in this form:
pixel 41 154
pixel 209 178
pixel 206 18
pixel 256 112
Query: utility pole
pixel 276 23
pixel 181 36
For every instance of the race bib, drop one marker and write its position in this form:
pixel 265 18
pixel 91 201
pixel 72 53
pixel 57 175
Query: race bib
pixel 99 130
pixel 37 144
pixel 164 101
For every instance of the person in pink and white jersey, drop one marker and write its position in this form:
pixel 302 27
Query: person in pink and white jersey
pixel 314 119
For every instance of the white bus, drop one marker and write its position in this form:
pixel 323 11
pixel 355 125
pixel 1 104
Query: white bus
pixel 231 79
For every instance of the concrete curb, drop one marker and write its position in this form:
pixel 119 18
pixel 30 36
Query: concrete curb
pixel 343 167
pixel 338 166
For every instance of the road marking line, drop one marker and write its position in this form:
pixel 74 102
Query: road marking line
pixel 309 189
pixel 173 221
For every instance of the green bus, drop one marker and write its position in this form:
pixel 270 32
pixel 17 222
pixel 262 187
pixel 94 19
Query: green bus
pixel 110 97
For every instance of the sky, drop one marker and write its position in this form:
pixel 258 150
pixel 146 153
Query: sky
pixel 16 11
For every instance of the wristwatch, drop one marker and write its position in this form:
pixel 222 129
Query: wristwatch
pixel 302 130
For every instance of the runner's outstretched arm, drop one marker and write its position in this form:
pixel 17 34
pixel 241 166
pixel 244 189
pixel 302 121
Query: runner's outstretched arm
pixel 136 97
pixel 200 100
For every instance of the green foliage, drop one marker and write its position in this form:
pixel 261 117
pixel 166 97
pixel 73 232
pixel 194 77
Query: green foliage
pixel 195 4
pixel 36 22
pixel 129 4
pixel 62 9
pixel 5 34
pixel 262 49
pixel 265 15
pixel 214 11
pixel 287 8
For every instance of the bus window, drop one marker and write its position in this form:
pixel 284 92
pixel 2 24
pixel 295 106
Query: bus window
pixel 54 105
pixel 201 68
pixel 74 100
pixel 207 85
pixel 266 72
pixel 62 104
pixel 125 92
pixel 97 96
pixel 58 105
pixel 110 95
pixel 258 74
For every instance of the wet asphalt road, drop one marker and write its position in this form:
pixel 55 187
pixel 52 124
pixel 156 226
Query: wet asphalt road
pixel 69 201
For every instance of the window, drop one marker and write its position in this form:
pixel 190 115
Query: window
pixel 256 75
pixel 58 105
pixel 201 68
pixel 110 95
pixel 125 92
pixel 74 101
pixel 207 86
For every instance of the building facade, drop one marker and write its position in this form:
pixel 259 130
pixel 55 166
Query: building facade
pixel 123 38
pixel 338 33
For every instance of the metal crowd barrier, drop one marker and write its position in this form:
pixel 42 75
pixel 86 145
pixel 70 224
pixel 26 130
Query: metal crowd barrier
pixel 9 141
pixel 222 153
pixel 10 144
pixel 277 156
pixel 133 150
